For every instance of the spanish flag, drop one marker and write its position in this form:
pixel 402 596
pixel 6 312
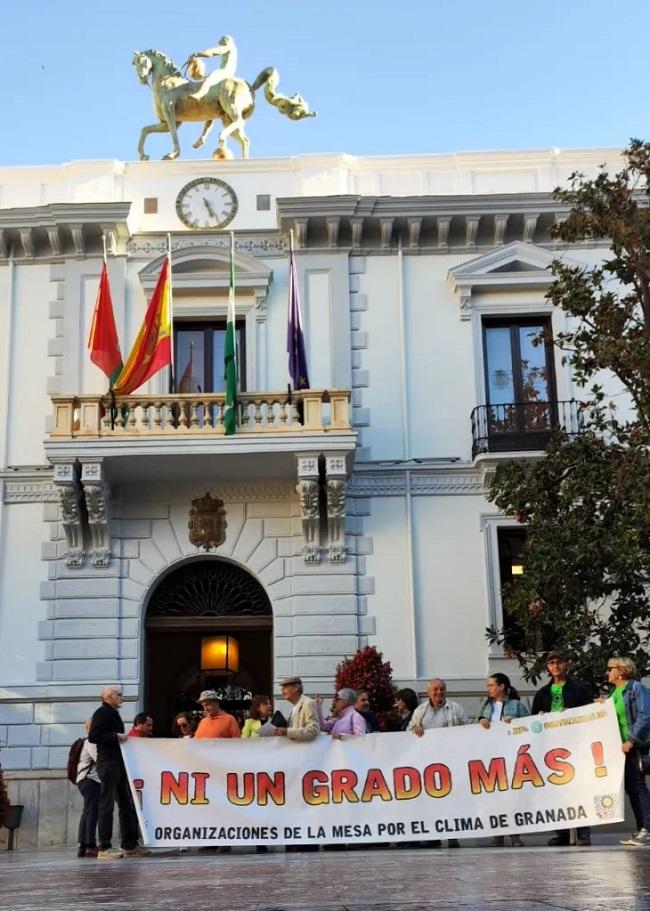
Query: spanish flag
pixel 103 343
pixel 152 348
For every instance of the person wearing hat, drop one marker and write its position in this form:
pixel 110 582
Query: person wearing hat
pixel 216 723
pixel 560 693
pixel 304 723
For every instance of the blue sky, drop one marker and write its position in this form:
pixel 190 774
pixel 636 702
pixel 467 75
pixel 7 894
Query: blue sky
pixel 386 77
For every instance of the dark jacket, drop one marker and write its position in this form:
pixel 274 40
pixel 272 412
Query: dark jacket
pixel 575 693
pixel 372 722
pixel 105 725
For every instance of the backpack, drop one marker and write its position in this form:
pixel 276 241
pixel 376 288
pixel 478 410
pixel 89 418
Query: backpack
pixel 73 759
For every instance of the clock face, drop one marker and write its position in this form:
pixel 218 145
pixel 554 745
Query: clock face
pixel 206 203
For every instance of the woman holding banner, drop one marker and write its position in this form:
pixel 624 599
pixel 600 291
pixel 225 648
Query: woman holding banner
pixel 502 704
pixel 258 714
pixel 632 702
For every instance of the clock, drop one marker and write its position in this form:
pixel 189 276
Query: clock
pixel 206 203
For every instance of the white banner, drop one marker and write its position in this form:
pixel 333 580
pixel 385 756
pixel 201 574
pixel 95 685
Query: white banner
pixel 545 772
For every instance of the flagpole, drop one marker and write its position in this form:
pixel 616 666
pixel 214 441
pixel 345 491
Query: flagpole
pixel 172 366
pixel 104 246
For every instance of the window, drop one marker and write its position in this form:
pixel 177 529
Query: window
pixel 511 543
pixel 199 355
pixel 521 400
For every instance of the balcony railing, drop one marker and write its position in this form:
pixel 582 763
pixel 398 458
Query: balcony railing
pixel 519 426
pixel 306 412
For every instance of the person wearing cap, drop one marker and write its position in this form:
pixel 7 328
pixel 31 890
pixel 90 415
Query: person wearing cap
pixel 304 723
pixel 216 723
pixel 346 720
pixel 560 693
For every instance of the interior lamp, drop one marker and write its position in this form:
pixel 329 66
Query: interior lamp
pixel 220 654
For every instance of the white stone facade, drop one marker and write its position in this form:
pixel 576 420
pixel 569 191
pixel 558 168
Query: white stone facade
pixel 400 260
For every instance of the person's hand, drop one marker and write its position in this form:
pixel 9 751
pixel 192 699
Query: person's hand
pixel 507 720
pixel 318 699
pixel 484 723
pixel 337 736
pixel 418 730
pixel 280 732
pixel 122 738
pixel 627 745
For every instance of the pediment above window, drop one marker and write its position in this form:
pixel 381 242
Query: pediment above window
pixel 515 267
pixel 196 270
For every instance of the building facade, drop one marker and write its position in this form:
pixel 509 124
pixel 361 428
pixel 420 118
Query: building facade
pixel 355 512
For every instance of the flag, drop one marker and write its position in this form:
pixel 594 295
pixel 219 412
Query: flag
pixel 230 352
pixel 188 382
pixel 103 343
pixel 152 348
pixel 295 337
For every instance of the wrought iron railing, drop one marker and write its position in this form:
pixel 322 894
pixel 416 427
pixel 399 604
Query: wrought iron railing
pixel 523 426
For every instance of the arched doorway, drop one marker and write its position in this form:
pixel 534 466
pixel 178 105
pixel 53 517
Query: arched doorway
pixel 205 597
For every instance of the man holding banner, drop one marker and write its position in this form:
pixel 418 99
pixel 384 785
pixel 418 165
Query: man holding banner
pixel 563 692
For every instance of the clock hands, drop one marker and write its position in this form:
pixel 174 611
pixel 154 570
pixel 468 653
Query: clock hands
pixel 211 212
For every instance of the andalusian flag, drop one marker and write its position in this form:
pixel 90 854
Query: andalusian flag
pixel 230 352
pixel 103 343
pixel 152 348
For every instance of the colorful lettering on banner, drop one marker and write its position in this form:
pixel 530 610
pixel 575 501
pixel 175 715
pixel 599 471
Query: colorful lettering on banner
pixel 540 773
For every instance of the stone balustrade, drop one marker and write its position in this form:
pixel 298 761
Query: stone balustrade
pixel 306 412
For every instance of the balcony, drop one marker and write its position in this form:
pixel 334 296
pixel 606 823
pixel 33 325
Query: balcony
pixel 173 435
pixel 523 426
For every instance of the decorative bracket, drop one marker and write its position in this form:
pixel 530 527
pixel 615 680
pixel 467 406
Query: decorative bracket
pixel 308 492
pixel 96 493
pixel 336 481
pixel 67 482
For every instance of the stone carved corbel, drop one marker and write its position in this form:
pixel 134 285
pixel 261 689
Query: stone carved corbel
pixel 336 481
pixel 96 494
pixel 307 489
pixel 67 483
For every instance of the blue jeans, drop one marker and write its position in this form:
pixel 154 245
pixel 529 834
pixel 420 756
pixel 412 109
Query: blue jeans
pixel 88 821
pixel 637 790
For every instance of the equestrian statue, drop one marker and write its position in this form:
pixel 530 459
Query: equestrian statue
pixel 220 96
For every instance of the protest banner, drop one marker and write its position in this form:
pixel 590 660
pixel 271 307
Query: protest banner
pixel 544 772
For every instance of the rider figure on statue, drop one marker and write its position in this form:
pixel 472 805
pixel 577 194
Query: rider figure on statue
pixel 227 50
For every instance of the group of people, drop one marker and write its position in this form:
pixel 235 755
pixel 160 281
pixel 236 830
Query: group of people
pixel 102 780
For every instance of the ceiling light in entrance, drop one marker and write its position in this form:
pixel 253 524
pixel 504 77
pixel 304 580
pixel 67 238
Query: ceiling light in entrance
pixel 220 654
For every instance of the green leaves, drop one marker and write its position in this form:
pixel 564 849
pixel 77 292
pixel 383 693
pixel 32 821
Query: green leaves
pixel 587 503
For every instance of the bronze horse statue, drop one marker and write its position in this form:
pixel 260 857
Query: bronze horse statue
pixel 231 100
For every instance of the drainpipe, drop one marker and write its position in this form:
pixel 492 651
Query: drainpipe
pixel 7 384
pixel 406 458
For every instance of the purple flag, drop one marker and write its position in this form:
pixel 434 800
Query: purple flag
pixel 295 337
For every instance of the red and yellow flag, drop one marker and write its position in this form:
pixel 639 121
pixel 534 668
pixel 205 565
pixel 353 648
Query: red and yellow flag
pixel 152 348
pixel 103 343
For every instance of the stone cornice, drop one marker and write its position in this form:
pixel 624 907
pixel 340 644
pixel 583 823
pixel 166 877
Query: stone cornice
pixel 61 230
pixel 422 484
pixel 28 486
pixel 432 224
pixel 228 492
pixel 254 243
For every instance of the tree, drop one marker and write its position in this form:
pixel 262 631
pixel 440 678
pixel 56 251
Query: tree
pixel 586 503
pixel 367 670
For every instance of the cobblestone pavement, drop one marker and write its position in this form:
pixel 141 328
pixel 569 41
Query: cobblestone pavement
pixel 474 878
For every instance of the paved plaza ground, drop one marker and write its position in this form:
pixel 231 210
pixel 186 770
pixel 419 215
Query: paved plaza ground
pixel 604 877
